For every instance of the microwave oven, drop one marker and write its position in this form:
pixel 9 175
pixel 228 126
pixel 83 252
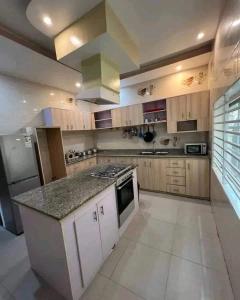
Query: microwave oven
pixel 195 149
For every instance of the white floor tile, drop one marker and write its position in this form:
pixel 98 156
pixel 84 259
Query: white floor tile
pixel 151 232
pixel 160 208
pixel 144 271
pixel 96 289
pixel 199 219
pixel 186 244
pixel 112 261
pixel 191 281
pixel 114 291
pixel 4 294
pixel 212 255
pixel 12 251
pixel 23 283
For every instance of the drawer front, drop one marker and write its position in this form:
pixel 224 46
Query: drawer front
pixel 176 172
pixel 176 180
pixel 176 189
pixel 176 163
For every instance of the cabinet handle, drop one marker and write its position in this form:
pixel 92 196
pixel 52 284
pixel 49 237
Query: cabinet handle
pixel 175 190
pixel 189 115
pixel 102 210
pixel 188 165
pixel 144 164
pixel 182 116
pixel 95 218
pixel 175 172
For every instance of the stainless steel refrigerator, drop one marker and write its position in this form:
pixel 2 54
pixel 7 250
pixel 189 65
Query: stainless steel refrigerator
pixel 18 173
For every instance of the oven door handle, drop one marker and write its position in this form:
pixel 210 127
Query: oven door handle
pixel 126 182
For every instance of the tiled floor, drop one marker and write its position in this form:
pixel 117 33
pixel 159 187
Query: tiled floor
pixel 170 251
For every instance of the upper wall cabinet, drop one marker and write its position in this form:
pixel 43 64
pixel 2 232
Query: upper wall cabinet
pixel 103 119
pixel 67 119
pixel 127 116
pixel 188 112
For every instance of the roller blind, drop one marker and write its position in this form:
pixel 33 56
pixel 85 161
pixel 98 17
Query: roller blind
pixel 226 144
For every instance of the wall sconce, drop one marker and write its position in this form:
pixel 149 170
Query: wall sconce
pixel 147 91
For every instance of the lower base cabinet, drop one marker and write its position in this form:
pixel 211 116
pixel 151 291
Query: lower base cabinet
pixel 183 176
pixel 97 233
pixel 197 178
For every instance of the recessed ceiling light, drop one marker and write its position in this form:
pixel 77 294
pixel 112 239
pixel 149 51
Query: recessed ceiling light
pixel 35 109
pixel 178 68
pixel 236 23
pixel 78 84
pixel 18 139
pixel 47 20
pixel 75 41
pixel 24 101
pixel 200 35
pixel 51 94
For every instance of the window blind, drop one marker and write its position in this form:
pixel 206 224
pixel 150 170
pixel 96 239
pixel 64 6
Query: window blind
pixel 226 143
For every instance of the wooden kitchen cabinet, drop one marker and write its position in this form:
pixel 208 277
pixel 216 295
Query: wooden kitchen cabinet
pixel 151 174
pixel 198 109
pixel 197 178
pixel 116 117
pixel 127 116
pixel 67 119
pixel 186 108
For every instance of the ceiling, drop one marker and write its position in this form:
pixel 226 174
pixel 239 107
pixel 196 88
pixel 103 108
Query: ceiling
pixel 22 62
pixel 160 28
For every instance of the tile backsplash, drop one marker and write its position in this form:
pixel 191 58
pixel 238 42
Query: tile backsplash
pixel 113 139
pixel 78 141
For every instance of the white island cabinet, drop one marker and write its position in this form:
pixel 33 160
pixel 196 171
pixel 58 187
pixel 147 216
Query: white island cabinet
pixel 69 252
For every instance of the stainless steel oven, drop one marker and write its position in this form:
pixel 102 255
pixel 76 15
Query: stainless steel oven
pixel 125 197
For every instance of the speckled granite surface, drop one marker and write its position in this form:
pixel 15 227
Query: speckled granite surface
pixel 60 198
pixel 172 153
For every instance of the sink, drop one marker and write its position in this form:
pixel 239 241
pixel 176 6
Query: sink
pixel 154 153
pixel 161 153
pixel 146 153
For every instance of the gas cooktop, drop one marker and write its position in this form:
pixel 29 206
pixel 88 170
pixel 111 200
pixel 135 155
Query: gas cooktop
pixel 111 171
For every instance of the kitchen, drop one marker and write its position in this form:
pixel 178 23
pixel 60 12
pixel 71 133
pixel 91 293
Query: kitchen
pixel 119 165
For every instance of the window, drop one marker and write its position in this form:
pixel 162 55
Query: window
pixel 226 143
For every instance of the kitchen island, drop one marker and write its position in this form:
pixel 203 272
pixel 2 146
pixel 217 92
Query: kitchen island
pixel 71 227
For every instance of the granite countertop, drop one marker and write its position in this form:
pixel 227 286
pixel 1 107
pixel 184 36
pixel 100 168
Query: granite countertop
pixel 59 198
pixel 174 153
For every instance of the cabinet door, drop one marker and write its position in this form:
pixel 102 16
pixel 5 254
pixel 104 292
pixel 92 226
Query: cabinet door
pixel 89 243
pixel 144 175
pixel 124 116
pixel 107 211
pixel 116 117
pixel 197 177
pixel 159 175
pixel 135 115
pixel 53 117
pixel 198 109
pixel 176 111
pixel 87 121
pixel 78 120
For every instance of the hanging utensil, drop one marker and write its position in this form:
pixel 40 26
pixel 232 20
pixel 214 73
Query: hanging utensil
pixel 148 136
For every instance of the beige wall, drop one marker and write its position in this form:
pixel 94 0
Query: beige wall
pixel 113 139
pixel 224 70
pixel 168 86
pixel 15 114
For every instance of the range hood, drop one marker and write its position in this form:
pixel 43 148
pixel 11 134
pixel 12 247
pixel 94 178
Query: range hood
pixel 99 95
pixel 101 81
pixel 99 47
